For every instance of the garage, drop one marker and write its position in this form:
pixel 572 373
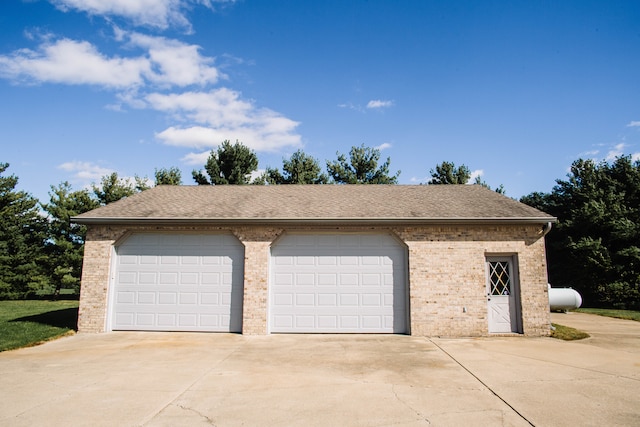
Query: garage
pixel 178 282
pixel 338 283
pixel 262 259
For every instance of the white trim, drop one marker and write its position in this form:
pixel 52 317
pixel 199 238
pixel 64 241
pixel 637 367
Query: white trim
pixel 111 290
pixel 515 305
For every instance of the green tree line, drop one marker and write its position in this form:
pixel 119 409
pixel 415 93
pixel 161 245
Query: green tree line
pixel 595 246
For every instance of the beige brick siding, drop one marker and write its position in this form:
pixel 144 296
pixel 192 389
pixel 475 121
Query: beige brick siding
pixel 257 241
pixel 446 274
pixel 447 279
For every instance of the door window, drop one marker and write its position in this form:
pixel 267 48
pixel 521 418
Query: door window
pixel 499 278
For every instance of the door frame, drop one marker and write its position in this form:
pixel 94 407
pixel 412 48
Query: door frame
pixel 515 309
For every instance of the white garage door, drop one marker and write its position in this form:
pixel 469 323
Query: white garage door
pixel 337 283
pixel 178 282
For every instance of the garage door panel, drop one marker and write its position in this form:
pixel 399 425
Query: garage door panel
pixel 210 279
pixel 349 299
pixel 194 284
pixel 285 279
pixel 304 279
pixel 327 300
pixel 146 297
pixel 127 278
pixel 356 285
pixel 327 322
pixel 188 298
pixel 324 279
pixel 167 298
pixel 126 297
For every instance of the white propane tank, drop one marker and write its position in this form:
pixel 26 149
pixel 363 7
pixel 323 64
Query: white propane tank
pixel 563 299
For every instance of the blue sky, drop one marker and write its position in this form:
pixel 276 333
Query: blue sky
pixel 515 90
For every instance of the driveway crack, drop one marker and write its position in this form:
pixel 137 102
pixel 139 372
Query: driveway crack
pixel 203 416
pixel 188 387
pixel 420 415
pixel 481 382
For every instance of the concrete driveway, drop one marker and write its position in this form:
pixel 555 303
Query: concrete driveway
pixel 190 379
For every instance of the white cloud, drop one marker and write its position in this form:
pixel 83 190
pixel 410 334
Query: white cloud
pixel 475 174
pixel 351 106
pixel 417 180
pixel 154 13
pixel 384 146
pixel 592 153
pixel 257 174
pixel 634 124
pixel 166 62
pixel 616 151
pixel 192 137
pixel 219 115
pixel 73 62
pixel 378 103
pixel 178 63
pixel 85 172
pixel 196 158
pixel 160 14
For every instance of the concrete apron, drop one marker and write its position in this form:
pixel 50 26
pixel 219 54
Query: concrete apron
pixel 190 379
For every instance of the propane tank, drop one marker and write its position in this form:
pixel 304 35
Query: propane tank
pixel 563 299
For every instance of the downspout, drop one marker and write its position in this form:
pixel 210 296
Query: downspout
pixel 545 230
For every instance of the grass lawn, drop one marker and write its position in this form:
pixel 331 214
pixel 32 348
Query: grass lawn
pixel 566 333
pixel 27 323
pixel 620 314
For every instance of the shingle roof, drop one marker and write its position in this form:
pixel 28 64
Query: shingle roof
pixel 316 203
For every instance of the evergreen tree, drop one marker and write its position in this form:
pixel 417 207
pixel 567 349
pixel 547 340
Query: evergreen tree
pixel 22 238
pixel 229 164
pixel 65 243
pixel 171 176
pixel 447 173
pixel 361 168
pixel 499 190
pixel 298 169
pixel 113 188
pixel 595 247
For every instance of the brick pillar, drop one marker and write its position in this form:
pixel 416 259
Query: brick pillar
pixel 94 286
pixel 257 242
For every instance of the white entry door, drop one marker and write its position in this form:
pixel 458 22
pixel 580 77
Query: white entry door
pixel 337 283
pixel 502 296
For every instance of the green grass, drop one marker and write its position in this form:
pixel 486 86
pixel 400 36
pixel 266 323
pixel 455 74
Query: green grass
pixel 620 314
pixel 566 333
pixel 27 323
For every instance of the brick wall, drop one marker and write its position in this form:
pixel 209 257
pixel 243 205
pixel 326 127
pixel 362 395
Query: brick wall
pixel 446 265
pixel 447 279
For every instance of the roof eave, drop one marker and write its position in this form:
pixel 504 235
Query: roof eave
pixel 312 221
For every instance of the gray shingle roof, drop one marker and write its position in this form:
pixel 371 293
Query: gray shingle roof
pixel 316 203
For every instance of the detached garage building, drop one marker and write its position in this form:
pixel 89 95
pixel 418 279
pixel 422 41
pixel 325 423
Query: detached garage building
pixel 444 260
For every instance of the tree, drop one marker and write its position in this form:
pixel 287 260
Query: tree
pixel 113 188
pixel 22 237
pixel 361 168
pixel 479 181
pixel 595 247
pixel 447 173
pixel 230 164
pixel 298 169
pixel 65 243
pixel 171 176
